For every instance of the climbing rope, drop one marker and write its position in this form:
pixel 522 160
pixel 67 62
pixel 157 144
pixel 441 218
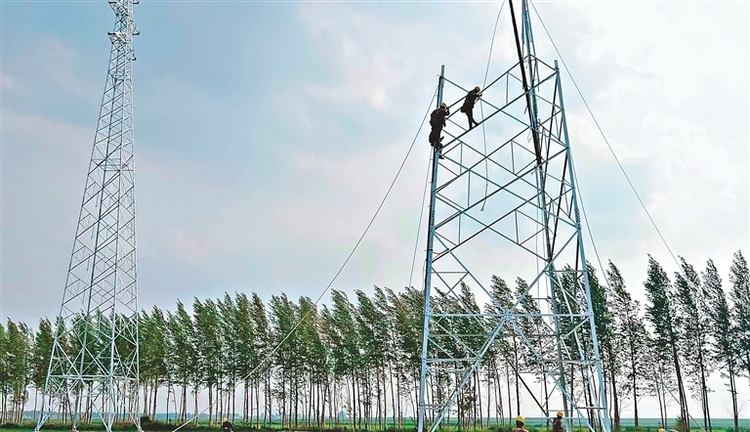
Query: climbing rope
pixel 481 109
pixel 354 249
pixel 419 225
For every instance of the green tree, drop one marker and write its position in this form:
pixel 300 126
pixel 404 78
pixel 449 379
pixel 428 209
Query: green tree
pixel 408 321
pixel 692 320
pixel 314 353
pixel 17 353
pixel 286 360
pixel 183 358
pixel 373 327
pixel 41 357
pixel 660 312
pixel 345 348
pixel 247 355
pixel 632 335
pixel 724 331
pixel 263 347
pixel 5 375
pixel 502 352
pixel 739 277
pixel 208 343
pixel 230 327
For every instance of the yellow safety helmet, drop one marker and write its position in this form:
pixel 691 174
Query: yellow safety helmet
pixel 225 419
pixel 560 414
pixel 477 88
pixel 661 430
pixel 521 419
pixel 443 105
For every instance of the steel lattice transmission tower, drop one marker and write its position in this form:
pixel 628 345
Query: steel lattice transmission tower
pixel 94 364
pixel 510 202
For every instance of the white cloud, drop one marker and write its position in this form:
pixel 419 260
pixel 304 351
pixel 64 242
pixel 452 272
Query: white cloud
pixel 6 82
pixel 47 67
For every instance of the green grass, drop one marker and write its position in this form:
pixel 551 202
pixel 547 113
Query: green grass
pixel 533 425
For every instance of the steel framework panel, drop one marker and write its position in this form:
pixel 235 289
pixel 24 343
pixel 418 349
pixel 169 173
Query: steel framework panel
pixel 512 200
pixel 94 363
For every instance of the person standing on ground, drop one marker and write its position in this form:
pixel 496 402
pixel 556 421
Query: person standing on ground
pixel 520 421
pixel 557 422
pixel 226 426
pixel 468 106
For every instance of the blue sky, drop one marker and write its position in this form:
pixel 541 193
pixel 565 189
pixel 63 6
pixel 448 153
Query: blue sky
pixel 267 133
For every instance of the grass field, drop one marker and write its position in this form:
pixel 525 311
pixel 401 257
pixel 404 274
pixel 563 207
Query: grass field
pixel 533 424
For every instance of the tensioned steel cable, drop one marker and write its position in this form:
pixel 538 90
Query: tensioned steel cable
pixel 419 225
pixel 481 108
pixel 658 231
pixel 583 210
pixel 354 249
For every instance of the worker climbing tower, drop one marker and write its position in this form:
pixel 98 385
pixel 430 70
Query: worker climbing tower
pixel 507 205
pixel 93 370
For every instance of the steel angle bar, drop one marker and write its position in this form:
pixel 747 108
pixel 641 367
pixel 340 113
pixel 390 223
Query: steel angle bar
pixel 485 226
pixel 523 94
pixel 554 377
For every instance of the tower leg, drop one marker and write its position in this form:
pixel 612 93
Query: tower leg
pixel 430 239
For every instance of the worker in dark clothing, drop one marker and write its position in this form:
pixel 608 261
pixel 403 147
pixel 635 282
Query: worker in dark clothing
pixel 557 422
pixel 468 106
pixel 226 426
pixel 437 121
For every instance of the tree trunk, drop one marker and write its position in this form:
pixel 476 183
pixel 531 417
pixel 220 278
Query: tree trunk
pixel 257 405
pixel 153 406
pixel 245 402
pixel 684 412
pixel 489 395
pixel 183 408
pixel 518 379
pixel 36 397
pixel 393 395
pixel 498 398
pixel 400 417
pixel 662 408
pixel 615 401
pixel 145 400
pixel 635 387
pixel 733 390
pixel 195 404
pixel 267 400
pixel 704 394
pixel 169 391
pixel 510 399
pixel 478 415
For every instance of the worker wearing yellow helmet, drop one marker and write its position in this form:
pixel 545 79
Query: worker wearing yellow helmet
pixel 520 421
pixel 468 106
pixel 437 121
pixel 557 422
pixel 226 426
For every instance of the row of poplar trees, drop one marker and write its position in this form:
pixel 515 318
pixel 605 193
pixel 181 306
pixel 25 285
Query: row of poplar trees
pixel 300 364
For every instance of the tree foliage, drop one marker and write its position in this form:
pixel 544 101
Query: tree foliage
pixel 356 360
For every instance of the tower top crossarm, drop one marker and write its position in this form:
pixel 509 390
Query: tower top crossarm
pixel 125 28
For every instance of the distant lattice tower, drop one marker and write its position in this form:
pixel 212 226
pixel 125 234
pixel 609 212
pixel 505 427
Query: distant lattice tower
pixel 511 202
pixel 93 372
